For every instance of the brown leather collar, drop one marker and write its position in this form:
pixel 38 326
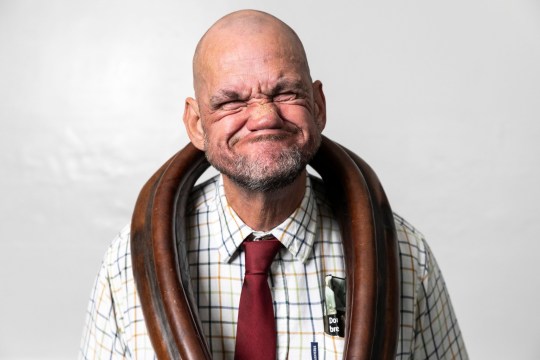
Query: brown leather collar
pixel 369 240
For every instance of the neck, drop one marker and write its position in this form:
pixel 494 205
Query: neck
pixel 262 211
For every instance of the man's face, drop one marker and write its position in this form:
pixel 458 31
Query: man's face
pixel 259 115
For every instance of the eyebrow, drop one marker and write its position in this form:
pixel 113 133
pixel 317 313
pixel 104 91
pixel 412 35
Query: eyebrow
pixel 223 95
pixel 289 85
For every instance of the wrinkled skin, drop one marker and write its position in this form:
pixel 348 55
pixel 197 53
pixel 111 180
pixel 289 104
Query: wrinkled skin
pixel 257 114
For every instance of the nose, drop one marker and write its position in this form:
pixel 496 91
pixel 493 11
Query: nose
pixel 264 116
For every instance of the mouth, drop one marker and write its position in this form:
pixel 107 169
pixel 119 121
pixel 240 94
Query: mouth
pixel 269 137
pixel 265 136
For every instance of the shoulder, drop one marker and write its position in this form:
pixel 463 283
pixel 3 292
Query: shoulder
pixel 119 251
pixel 116 264
pixel 117 258
pixel 409 237
pixel 413 249
pixel 411 242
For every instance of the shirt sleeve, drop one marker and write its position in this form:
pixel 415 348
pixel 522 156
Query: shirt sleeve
pixel 437 334
pixel 101 336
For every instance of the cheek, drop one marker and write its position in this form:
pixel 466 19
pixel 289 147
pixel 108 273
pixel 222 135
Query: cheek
pixel 300 116
pixel 220 131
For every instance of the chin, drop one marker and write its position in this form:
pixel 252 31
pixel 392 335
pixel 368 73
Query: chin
pixel 270 182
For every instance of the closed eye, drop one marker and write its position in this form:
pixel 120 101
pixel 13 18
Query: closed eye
pixel 232 105
pixel 285 97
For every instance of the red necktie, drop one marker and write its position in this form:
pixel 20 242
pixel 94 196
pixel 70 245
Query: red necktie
pixel 256 329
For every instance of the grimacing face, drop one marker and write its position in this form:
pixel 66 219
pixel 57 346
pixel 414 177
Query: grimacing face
pixel 260 117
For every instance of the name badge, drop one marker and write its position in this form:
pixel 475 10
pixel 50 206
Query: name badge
pixel 335 297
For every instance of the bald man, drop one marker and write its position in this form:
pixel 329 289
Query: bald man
pixel 258 116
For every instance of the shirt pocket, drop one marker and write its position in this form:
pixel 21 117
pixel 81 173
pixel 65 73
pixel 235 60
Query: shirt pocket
pixel 332 347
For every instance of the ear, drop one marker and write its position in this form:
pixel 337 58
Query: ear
pixel 320 104
pixel 193 123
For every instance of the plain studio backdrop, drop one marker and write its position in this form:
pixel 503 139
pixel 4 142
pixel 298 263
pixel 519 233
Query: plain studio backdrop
pixel 442 98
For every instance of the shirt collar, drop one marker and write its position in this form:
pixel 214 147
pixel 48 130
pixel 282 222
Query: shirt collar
pixel 296 233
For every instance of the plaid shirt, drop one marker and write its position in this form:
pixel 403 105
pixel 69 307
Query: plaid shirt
pixel 115 325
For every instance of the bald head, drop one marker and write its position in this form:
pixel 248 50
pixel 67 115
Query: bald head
pixel 244 31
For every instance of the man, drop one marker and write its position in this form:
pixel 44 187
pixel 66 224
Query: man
pixel 258 117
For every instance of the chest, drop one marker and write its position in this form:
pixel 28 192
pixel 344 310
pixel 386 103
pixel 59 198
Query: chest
pixel 298 293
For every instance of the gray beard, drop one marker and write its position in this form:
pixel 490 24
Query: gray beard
pixel 253 176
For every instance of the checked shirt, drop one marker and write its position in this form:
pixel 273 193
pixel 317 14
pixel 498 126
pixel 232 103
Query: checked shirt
pixel 312 249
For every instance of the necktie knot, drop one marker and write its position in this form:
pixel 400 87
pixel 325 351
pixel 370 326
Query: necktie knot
pixel 259 255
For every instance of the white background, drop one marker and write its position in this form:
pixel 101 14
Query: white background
pixel 440 97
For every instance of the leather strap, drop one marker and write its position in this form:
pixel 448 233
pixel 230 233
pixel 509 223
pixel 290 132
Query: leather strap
pixel 160 267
